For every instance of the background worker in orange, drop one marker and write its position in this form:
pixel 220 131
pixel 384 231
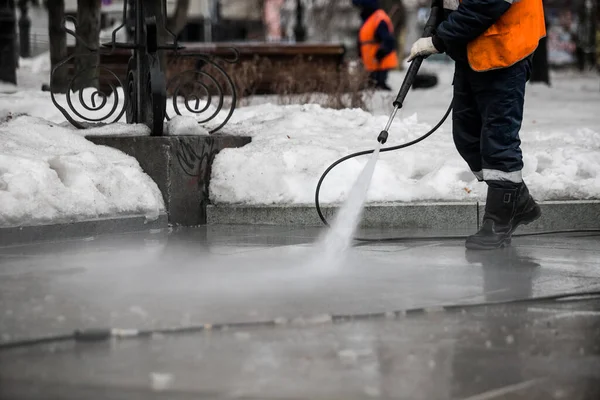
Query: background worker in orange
pixel 376 42
pixel 492 43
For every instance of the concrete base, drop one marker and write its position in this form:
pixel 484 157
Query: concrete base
pixel 70 230
pixel 180 166
pixel 557 215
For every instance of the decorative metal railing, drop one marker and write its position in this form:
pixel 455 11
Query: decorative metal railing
pixel 205 91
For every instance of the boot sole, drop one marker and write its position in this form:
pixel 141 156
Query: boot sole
pixel 489 246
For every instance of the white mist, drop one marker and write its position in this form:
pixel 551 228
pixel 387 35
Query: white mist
pixel 333 246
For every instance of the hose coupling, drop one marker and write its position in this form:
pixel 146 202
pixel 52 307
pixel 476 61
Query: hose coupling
pixel 383 137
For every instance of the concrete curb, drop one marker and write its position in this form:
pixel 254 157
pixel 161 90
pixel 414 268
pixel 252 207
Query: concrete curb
pixel 80 229
pixel 556 215
pixel 564 215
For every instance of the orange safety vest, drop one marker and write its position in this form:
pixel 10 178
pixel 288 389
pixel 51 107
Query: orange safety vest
pixel 369 46
pixel 514 37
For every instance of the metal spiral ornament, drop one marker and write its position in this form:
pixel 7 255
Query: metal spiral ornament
pixel 206 90
pixel 203 92
pixel 129 88
pixel 96 108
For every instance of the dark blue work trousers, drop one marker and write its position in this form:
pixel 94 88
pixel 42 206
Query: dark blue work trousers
pixel 487 117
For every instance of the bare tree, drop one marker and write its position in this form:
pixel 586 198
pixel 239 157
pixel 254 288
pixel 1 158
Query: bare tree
pixel 8 48
pixel 58 44
pixel 88 29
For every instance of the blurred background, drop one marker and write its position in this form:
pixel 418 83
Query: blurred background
pixel 286 46
pixel 573 28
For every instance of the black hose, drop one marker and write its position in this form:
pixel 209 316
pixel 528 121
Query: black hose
pixel 419 238
pixel 362 153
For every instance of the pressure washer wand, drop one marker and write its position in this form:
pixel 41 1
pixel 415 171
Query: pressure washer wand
pixel 437 8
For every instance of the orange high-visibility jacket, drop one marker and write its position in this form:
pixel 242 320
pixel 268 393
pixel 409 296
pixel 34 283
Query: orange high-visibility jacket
pixel 369 46
pixel 514 37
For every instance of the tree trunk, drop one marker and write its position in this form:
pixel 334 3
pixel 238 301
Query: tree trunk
pixel 180 18
pixel 58 45
pixel 88 29
pixel 8 41
pixel 24 29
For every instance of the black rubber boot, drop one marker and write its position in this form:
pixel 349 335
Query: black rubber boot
pixel 508 205
pixel 527 209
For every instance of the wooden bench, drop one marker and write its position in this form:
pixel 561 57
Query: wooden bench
pixel 264 61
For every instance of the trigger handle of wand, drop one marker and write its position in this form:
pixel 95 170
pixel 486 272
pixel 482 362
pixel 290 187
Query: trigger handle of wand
pixel 411 74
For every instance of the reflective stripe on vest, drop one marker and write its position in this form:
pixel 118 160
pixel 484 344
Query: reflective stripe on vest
pixel 514 37
pixel 369 46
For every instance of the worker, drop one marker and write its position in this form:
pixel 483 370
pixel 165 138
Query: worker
pixel 398 15
pixel 492 43
pixel 376 42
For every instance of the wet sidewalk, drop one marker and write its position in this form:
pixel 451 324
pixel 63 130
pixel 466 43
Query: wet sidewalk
pixel 219 274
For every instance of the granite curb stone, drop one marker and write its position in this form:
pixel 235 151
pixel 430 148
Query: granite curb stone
pixel 80 229
pixel 556 215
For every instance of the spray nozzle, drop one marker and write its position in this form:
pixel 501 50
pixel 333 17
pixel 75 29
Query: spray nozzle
pixel 383 137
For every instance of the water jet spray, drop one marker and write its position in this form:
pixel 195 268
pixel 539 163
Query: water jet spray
pixel 352 209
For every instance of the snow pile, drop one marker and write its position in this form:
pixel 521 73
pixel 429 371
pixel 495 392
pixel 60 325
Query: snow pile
pixel 293 145
pixel 39 104
pixel 118 128
pixel 563 165
pixel 50 173
pixel 35 103
pixel 36 65
pixel 185 125
pixel 7 87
